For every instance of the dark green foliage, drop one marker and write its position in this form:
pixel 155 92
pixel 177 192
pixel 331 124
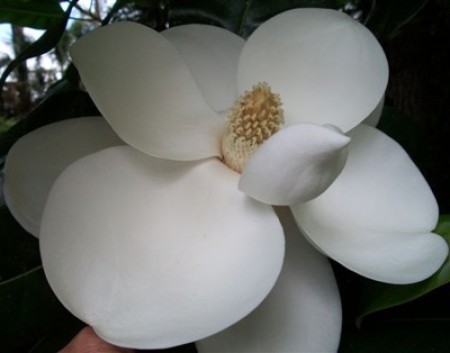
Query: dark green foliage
pixel 40 14
pixel 45 43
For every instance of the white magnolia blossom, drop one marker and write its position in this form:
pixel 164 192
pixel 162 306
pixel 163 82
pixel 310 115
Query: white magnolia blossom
pixel 154 239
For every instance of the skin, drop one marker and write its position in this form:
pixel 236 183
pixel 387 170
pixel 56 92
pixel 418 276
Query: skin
pixel 87 341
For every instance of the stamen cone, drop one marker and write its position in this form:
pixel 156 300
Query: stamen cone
pixel 254 117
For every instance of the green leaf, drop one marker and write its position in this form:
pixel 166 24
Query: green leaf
pixel 387 17
pixel 64 103
pixel 445 3
pixel 397 336
pixel 443 227
pixel 241 17
pixel 28 311
pixel 19 251
pixel 376 296
pixel 39 14
pixel 44 44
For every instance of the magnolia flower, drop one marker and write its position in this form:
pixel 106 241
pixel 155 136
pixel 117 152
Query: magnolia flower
pixel 164 233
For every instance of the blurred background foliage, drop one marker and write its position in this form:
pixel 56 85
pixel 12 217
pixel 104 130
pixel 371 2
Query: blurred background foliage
pixel 415 35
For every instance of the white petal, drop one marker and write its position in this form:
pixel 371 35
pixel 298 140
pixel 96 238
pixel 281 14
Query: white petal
pixel 374 118
pixel 145 90
pixel 377 217
pixel 212 54
pixel 302 314
pixel 296 164
pixel 327 67
pixel 154 253
pixel 35 161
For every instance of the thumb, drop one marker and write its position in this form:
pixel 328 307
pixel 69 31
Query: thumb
pixel 87 341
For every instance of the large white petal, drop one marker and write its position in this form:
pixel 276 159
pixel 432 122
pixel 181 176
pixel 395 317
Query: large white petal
pixel 377 217
pixel 327 67
pixel 145 90
pixel 295 165
pixel 154 253
pixel 302 314
pixel 35 161
pixel 212 54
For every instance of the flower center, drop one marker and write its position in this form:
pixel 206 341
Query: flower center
pixel 254 117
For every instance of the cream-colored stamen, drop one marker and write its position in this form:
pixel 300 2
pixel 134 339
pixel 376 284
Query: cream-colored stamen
pixel 254 117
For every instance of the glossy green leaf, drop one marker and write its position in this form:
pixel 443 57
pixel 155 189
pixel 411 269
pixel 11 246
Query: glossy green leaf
pixel 19 251
pixel 38 14
pixel 28 308
pixel 387 17
pixel 44 44
pixel 445 3
pixel 64 103
pixel 241 17
pixel 376 296
pixel 28 311
pixel 443 227
pixel 397 336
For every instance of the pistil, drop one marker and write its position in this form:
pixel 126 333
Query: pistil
pixel 254 117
